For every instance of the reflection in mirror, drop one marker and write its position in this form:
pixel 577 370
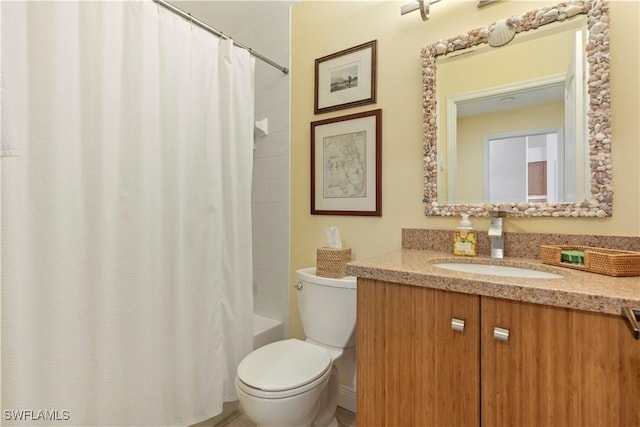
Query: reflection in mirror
pixel 523 166
pixel 522 103
pixel 516 135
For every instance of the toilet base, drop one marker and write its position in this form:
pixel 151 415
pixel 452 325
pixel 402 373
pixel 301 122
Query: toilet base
pixel 291 411
pixel 328 403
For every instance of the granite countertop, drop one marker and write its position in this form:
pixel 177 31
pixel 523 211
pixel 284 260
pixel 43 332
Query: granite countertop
pixel 577 289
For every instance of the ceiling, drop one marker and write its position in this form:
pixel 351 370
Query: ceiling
pixel 233 17
pixel 512 100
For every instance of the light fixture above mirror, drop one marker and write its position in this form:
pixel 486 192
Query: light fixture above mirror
pixel 424 6
pixel 596 198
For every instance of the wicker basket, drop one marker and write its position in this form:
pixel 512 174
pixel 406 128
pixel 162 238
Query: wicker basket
pixel 332 262
pixel 611 262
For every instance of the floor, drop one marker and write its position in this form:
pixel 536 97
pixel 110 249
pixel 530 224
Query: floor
pixel 345 419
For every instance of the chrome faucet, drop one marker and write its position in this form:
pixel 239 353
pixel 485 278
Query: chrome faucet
pixel 495 232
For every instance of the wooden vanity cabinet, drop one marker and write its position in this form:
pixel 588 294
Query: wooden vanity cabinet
pixel 557 367
pixel 413 369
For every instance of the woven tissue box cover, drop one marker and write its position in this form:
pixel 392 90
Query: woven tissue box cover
pixel 332 262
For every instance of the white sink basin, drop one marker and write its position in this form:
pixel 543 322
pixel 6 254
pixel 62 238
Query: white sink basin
pixel 497 270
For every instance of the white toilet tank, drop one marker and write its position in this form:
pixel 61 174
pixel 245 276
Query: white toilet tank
pixel 327 308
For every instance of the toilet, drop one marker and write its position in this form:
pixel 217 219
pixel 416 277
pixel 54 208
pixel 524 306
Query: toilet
pixel 294 383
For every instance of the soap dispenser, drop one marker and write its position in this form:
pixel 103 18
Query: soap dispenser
pixel 464 238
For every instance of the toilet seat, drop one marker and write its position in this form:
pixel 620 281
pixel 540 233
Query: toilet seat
pixel 263 394
pixel 283 368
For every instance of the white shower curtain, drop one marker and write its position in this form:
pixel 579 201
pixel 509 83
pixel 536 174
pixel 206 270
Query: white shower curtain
pixel 126 229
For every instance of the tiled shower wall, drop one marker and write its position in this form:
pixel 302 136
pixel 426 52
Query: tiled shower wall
pixel 270 198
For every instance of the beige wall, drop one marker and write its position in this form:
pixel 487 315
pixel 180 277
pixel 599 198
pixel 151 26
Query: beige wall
pixel 546 54
pixel 320 28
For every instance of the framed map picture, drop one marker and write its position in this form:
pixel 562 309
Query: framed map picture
pixel 346 165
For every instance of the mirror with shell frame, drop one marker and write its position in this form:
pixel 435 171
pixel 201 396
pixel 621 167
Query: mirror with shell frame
pixel 571 145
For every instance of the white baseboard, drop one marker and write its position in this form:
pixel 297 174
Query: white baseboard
pixel 347 398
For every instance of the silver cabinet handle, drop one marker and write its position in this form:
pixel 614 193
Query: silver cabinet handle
pixel 457 324
pixel 298 286
pixel 633 317
pixel 501 334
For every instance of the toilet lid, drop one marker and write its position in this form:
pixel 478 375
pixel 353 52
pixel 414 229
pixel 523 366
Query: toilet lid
pixel 284 365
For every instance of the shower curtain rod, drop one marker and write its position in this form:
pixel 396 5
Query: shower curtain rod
pixel 217 33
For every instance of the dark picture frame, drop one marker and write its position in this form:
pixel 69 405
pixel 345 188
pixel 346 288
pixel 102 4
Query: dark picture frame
pixel 346 79
pixel 346 165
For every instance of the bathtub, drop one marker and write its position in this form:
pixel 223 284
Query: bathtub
pixel 266 330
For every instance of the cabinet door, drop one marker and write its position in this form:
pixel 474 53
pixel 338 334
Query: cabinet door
pixel 413 369
pixel 559 367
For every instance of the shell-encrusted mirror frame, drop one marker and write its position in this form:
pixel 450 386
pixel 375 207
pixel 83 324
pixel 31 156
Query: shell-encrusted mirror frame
pixel 598 114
